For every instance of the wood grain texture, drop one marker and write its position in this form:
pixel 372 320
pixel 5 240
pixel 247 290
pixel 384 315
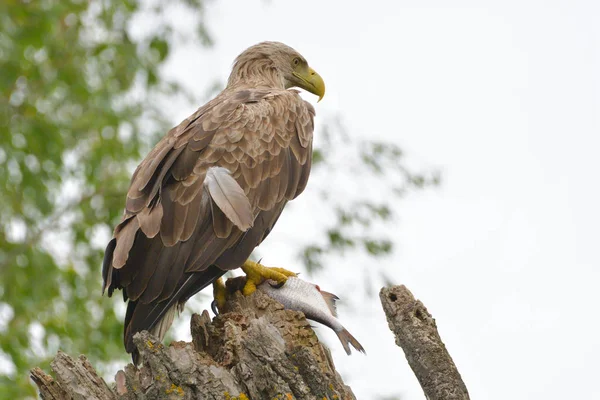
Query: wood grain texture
pixel 75 379
pixel 416 333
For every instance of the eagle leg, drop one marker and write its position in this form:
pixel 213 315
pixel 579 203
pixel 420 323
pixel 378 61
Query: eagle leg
pixel 257 273
pixel 219 295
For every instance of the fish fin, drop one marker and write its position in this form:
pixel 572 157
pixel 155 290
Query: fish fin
pixel 345 338
pixel 330 299
pixel 228 195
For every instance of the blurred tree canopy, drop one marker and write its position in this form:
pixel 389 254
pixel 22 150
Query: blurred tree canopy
pixel 79 107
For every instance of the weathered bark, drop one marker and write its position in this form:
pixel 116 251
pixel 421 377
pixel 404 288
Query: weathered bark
pixel 254 350
pixel 417 334
pixel 75 379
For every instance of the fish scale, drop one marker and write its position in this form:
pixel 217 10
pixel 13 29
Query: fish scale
pixel 317 305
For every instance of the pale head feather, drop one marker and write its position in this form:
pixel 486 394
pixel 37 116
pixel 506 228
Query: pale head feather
pixel 268 64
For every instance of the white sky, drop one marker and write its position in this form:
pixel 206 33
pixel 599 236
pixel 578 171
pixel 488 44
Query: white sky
pixel 503 96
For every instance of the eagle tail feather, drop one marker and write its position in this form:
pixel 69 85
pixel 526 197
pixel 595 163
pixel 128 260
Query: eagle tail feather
pixel 157 318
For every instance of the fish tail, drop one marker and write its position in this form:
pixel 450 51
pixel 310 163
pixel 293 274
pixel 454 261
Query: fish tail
pixel 345 338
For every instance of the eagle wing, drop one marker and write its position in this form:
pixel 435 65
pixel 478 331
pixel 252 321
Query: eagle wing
pixel 205 196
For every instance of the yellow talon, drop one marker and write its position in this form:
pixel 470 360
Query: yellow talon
pixel 219 293
pixel 257 273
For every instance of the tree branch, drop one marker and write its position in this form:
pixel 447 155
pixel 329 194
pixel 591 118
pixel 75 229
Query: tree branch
pixel 75 379
pixel 417 334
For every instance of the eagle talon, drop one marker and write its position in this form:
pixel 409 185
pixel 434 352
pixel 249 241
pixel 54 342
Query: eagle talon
pixel 220 296
pixel 257 273
pixel 277 285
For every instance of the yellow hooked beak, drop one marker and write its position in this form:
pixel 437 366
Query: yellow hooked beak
pixel 311 81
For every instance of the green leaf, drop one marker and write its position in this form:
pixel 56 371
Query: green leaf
pixel 161 47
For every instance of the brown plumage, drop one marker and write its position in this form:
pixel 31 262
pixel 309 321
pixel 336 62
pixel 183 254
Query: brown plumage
pixel 212 188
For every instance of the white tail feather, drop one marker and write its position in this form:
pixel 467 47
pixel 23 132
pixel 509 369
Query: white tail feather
pixel 160 329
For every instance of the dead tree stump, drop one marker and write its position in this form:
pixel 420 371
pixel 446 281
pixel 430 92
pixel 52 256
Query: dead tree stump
pixel 254 350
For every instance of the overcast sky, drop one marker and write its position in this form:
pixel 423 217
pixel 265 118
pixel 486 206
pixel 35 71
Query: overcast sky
pixel 503 97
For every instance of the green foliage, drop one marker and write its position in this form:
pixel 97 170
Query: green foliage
pixel 77 110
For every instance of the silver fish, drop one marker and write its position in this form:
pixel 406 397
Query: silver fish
pixel 316 304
